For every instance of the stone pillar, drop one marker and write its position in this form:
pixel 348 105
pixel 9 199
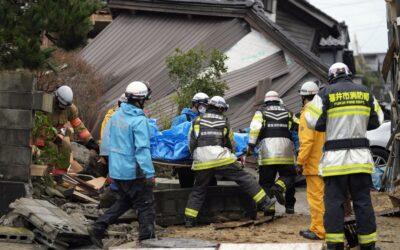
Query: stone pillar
pixel 17 102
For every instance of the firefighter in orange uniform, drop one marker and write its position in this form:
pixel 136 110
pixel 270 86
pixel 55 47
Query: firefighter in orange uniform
pixel 310 153
pixel 65 111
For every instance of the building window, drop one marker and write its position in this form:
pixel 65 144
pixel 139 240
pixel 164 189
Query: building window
pixel 268 5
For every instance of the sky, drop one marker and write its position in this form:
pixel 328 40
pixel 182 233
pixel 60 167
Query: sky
pixel 366 19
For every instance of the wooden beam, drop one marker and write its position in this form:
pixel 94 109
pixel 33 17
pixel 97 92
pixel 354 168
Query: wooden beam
pixel 273 32
pixel 387 62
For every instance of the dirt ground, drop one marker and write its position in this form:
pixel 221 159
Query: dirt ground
pixel 286 229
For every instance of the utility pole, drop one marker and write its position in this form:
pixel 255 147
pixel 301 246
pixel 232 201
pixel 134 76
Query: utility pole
pixel 391 71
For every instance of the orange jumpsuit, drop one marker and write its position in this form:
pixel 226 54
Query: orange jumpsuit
pixel 310 153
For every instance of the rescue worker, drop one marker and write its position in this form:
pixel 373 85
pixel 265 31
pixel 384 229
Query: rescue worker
pixel 345 111
pixel 212 147
pixel 199 103
pixel 110 112
pixel 102 165
pixel 130 165
pixel 310 153
pixel 271 130
pixel 65 111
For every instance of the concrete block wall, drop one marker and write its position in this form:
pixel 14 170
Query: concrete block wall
pixel 222 202
pixel 16 121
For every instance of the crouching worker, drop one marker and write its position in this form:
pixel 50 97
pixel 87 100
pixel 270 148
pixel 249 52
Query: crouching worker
pixel 130 165
pixel 211 144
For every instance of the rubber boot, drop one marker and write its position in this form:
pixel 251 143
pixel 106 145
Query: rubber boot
pixel 370 246
pixel 289 210
pixel 279 194
pixel 96 236
pixel 268 205
pixel 190 222
pixel 335 246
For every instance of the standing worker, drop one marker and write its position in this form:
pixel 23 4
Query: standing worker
pixel 345 111
pixel 211 143
pixel 310 153
pixel 271 130
pixel 130 165
pixel 65 111
pixel 199 104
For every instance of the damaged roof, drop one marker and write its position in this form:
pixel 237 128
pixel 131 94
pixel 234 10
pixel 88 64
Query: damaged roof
pixel 135 45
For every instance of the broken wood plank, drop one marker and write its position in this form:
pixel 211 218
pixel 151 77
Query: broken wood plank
pixel 233 224
pixel 83 197
pixel 97 182
pixel 75 167
pixel 38 170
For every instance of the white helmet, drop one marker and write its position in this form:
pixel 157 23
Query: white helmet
pixel 309 88
pixel 218 102
pixel 64 95
pixel 338 69
pixel 272 96
pixel 200 98
pixel 137 91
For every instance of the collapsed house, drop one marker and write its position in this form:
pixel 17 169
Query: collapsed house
pixel 270 44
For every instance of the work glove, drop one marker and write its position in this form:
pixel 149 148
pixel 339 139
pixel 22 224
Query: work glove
pixel 299 169
pixel 92 144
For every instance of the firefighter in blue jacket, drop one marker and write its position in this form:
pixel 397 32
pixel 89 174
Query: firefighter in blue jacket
pixel 130 165
pixel 199 103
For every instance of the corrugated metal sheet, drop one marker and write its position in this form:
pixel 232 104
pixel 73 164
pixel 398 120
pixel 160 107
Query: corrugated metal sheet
pixel 134 47
pixel 239 81
pixel 287 86
pixel 297 29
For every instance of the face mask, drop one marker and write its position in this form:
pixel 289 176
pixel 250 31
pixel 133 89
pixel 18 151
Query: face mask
pixel 202 109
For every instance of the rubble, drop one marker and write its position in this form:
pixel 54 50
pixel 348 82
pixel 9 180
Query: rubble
pixel 92 211
pixel 50 224
pixel 80 153
pixel 16 235
pixel 223 203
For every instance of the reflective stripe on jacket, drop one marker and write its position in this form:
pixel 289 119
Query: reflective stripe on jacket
pixel 211 141
pixel 270 128
pixel 344 110
pixel 60 117
pixel 311 145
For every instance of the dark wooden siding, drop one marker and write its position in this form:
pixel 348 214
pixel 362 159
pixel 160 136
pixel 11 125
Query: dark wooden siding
pixel 296 28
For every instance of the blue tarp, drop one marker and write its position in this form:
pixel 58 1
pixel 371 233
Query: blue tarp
pixel 172 144
pixel 377 177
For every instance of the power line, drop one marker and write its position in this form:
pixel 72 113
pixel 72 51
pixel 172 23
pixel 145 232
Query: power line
pixel 339 5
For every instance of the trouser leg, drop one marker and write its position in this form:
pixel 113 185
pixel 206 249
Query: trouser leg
pixel 143 201
pixel 122 205
pixel 334 198
pixel 244 180
pixel 315 198
pixel 267 175
pixel 287 177
pixel 198 194
pixel 360 193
